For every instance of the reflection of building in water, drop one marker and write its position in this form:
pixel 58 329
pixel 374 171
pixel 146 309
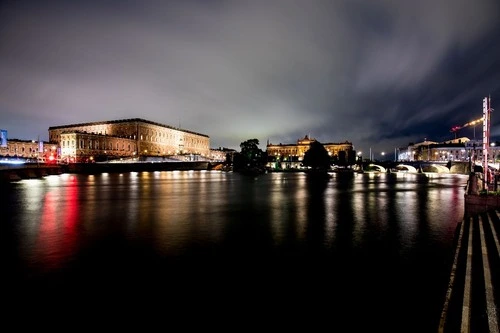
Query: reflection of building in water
pixel 126 138
pixel 291 155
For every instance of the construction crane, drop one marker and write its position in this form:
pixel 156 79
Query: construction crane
pixel 455 129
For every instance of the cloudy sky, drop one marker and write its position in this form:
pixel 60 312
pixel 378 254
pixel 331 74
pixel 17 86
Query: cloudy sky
pixel 377 73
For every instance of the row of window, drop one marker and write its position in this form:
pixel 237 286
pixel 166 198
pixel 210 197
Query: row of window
pixel 14 149
pixel 171 139
pixel 71 144
pixel 94 144
pixel 294 151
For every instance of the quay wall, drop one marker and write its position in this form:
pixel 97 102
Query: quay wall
pixel 14 173
pixel 479 203
pixel 480 197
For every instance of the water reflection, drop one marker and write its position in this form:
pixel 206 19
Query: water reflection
pixel 316 212
pixel 383 235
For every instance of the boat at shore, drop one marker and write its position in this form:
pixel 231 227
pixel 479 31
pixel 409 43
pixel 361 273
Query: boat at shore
pixel 344 170
pixel 317 173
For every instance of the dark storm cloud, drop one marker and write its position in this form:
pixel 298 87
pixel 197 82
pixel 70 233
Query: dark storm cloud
pixel 380 74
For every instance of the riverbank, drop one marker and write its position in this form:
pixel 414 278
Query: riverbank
pixel 480 197
pixel 474 291
pixel 13 173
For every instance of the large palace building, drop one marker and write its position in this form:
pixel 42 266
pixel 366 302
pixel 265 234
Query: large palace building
pixel 291 155
pixel 126 138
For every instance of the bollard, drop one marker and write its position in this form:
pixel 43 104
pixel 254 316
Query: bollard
pixel 473 184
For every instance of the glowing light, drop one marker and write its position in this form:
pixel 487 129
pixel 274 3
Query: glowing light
pixel 12 162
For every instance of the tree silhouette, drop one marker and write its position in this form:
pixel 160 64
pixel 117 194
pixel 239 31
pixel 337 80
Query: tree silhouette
pixel 317 157
pixel 251 157
pixel 250 149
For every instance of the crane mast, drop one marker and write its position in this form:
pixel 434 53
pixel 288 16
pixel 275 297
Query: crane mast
pixel 485 119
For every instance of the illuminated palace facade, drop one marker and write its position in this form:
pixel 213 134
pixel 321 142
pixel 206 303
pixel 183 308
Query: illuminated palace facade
pixel 285 156
pixel 28 149
pixel 126 138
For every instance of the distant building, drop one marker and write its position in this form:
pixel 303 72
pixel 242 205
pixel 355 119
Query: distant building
pixel 460 149
pixel 126 138
pixel 221 154
pixel 29 149
pixel 291 155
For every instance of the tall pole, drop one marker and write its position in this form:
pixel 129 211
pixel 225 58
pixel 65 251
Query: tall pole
pixel 38 155
pixel 486 138
pixel 370 154
pixel 137 142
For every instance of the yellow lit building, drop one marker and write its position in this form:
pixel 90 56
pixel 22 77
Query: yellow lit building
pixel 286 156
pixel 29 150
pixel 132 138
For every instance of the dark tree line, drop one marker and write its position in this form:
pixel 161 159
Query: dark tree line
pixel 252 158
pixel 317 157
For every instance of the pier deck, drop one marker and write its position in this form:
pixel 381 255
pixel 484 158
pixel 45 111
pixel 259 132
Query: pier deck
pixel 471 302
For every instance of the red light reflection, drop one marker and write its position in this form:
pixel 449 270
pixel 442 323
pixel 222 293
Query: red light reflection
pixel 57 238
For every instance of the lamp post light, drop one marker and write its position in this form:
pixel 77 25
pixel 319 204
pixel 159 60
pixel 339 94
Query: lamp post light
pixel 360 161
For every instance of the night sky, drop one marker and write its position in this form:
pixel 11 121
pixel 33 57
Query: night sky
pixel 377 73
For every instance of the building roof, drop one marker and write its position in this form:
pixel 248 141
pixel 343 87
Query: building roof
pixel 306 140
pixel 118 121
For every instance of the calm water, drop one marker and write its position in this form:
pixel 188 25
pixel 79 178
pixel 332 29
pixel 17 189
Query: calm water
pixel 367 251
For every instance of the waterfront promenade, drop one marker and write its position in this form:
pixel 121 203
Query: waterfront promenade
pixel 471 302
